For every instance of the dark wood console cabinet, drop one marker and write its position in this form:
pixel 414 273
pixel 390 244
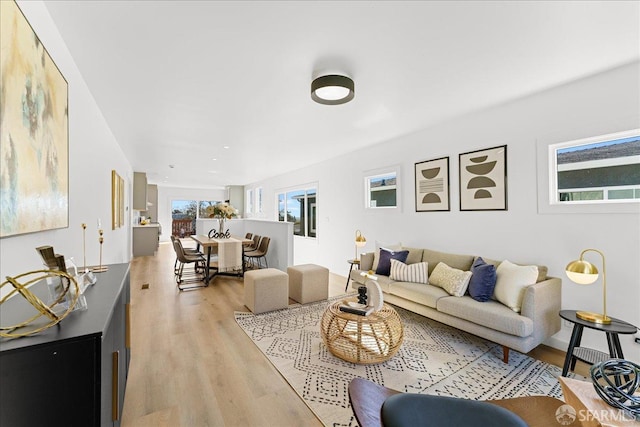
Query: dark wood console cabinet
pixel 74 373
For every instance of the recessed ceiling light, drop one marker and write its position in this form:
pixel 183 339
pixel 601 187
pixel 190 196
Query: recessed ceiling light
pixel 214 159
pixel 226 147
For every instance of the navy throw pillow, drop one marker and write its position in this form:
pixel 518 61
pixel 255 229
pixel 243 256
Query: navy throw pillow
pixel 483 280
pixel 384 265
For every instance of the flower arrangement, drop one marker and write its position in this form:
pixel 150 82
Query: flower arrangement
pixel 221 211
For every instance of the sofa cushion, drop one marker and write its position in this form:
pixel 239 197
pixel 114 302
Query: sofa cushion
pixel 422 294
pixel 483 280
pixel 416 273
pixel 461 262
pixel 415 255
pixel 491 314
pixel 512 281
pixel 452 280
pixel 376 256
pixel 384 266
pixel 542 269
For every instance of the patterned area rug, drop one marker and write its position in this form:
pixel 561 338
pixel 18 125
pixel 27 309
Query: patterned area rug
pixel 434 359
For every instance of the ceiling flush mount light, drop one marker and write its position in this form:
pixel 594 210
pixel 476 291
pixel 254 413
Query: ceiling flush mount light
pixel 332 89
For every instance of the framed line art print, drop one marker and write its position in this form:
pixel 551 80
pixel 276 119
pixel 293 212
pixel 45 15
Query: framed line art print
pixel 483 179
pixel 432 185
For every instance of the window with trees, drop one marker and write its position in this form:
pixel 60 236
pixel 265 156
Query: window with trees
pixel 300 208
pixel 184 214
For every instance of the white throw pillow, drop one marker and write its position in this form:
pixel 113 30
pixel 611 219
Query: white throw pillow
pixel 512 281
pixel 417 273
pixel 452 280
pixel 376 257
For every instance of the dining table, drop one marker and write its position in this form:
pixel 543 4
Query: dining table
pixel 208 243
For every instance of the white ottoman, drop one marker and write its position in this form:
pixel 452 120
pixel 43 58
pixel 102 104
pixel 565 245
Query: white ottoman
pixel 308 283
pixel 266 289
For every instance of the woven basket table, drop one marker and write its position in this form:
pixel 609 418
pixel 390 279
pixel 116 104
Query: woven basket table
pixel 362 339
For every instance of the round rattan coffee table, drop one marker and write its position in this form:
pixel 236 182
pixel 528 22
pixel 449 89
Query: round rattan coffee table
pixel 362 339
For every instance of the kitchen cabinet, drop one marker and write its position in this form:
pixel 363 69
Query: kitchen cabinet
pixel 152 203
pixel 145 239
pixel 140 191
pixel 74 373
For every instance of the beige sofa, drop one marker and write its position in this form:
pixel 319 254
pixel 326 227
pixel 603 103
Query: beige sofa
pixel 538 318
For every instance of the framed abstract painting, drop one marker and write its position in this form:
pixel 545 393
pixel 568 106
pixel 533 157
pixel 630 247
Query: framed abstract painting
pixel 34 131
pixel 432 185
pixel 483 179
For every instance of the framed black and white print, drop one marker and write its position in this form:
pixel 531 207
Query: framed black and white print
pixel 483 179
pixel 432 185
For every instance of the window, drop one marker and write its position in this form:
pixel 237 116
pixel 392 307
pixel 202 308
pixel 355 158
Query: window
pixel 381 190
pixel 259 200
pixel 202 207
pixel 603 169
pixel 249 202
pixel 300 208
pixel 183 217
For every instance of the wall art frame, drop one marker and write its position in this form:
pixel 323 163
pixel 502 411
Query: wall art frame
pixel 483 179
pixel 34 131
pixel 117 200
pixel 432 185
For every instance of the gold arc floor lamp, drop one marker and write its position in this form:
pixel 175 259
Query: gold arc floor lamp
pixel 360 242
pixel 584 273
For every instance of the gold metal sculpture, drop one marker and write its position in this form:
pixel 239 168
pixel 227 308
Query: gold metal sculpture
pixel 66 295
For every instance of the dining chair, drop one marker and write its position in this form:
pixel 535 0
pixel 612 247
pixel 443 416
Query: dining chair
pixel 183 259
pixel 253 246
pixel 254 257
pixel 248 236
pixel 187 251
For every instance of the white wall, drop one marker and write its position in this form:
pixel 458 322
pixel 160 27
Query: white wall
pixel 597 105
pixel 93 153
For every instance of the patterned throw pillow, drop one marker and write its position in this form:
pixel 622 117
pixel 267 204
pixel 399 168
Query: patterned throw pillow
pixel 416 273
pixel 452 280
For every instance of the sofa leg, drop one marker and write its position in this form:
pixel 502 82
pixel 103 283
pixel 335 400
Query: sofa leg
pixel 505 354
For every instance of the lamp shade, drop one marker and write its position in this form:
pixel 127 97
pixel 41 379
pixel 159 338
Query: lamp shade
pixel 332 89
pixel 360 240
pixel 582 272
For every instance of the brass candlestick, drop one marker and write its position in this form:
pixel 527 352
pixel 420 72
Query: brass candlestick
pixel 101 268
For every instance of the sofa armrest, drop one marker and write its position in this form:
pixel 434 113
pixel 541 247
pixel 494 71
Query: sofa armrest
pixel 541 303
pixel 366 261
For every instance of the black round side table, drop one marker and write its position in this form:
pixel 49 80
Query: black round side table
pixel 591 356
pixel 353 262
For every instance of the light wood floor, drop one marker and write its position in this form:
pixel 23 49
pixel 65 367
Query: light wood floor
pixel 192 365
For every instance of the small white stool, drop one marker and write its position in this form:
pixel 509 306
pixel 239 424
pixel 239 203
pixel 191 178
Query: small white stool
pixel 266 289
pixel 308 283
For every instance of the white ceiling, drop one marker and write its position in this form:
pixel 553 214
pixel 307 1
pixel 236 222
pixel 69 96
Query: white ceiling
pixel 177 81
